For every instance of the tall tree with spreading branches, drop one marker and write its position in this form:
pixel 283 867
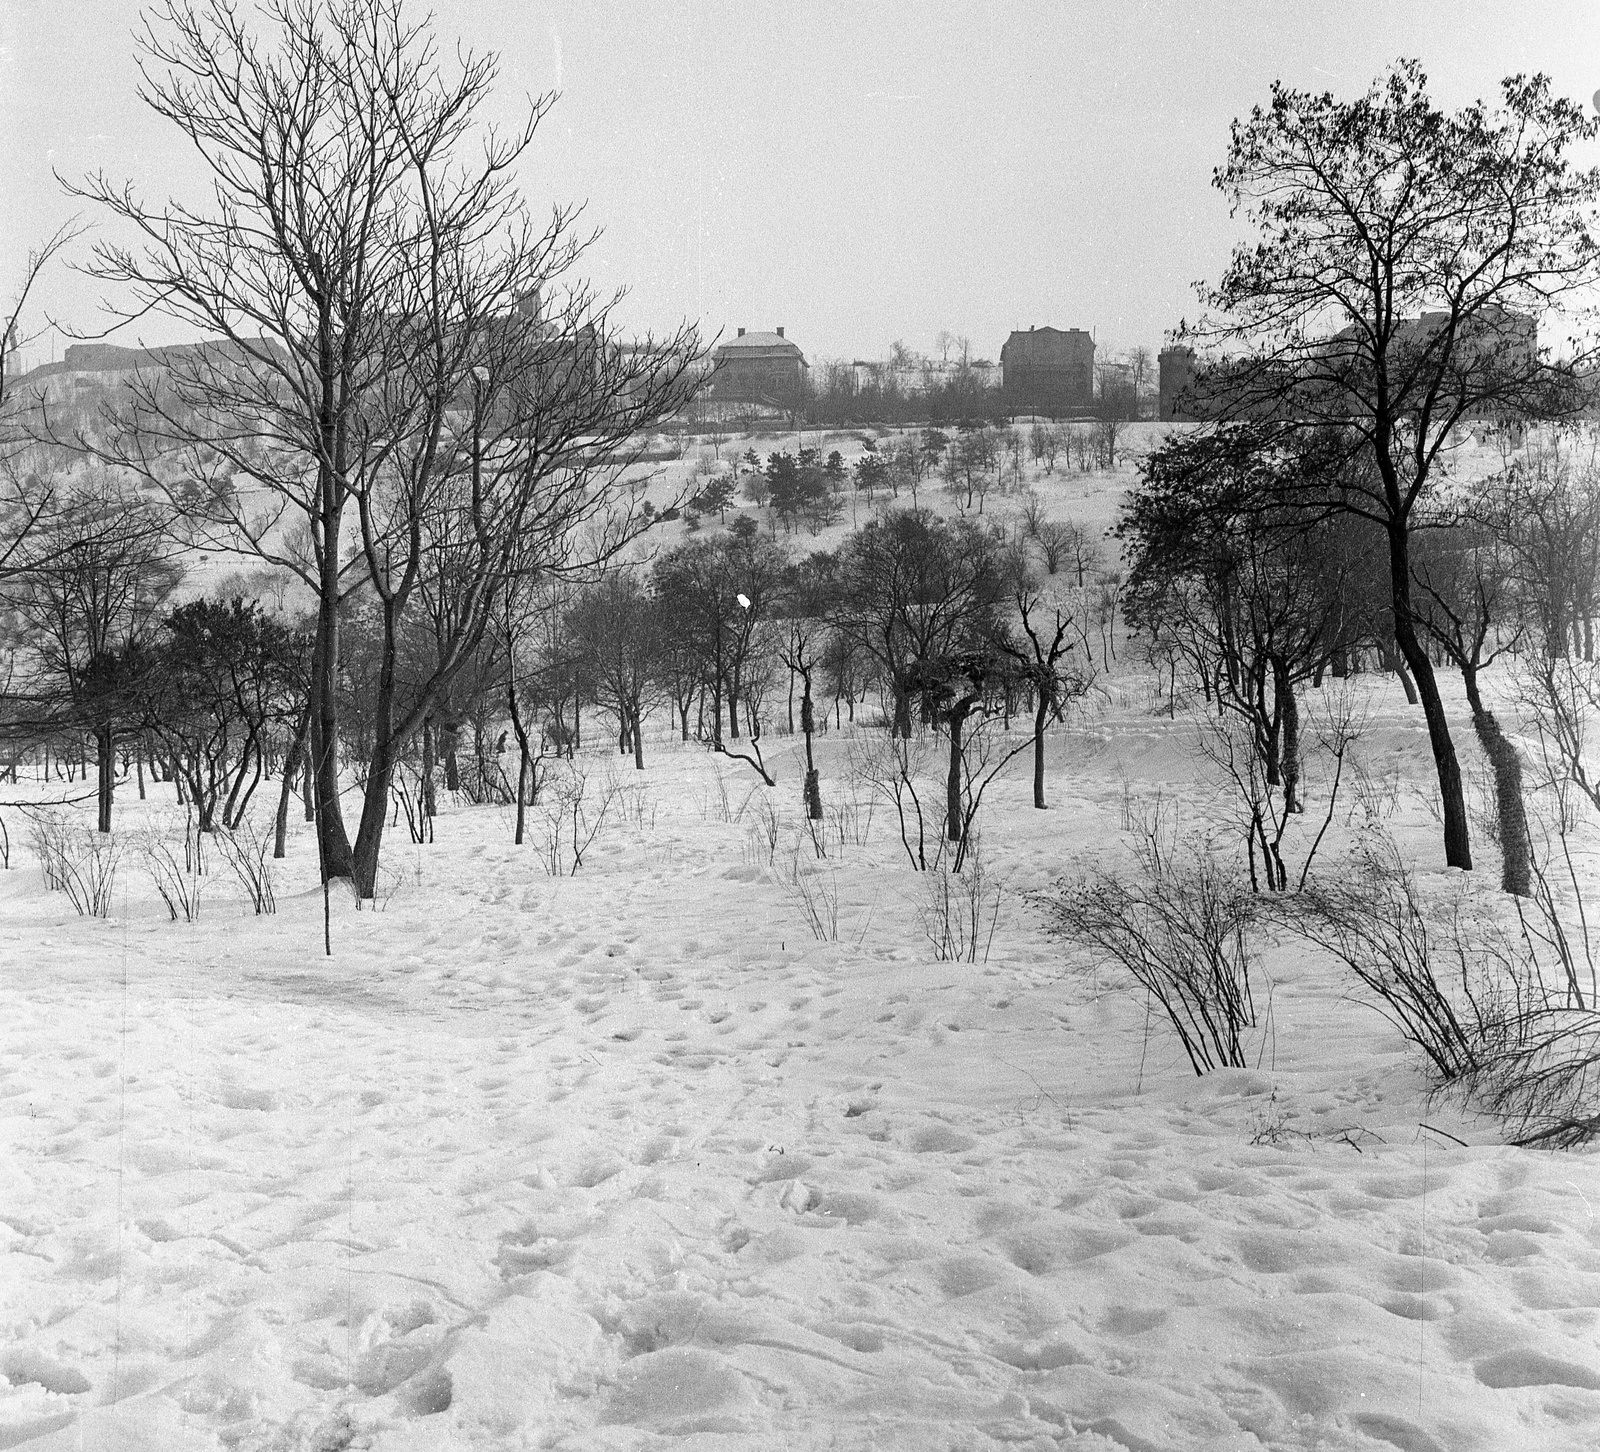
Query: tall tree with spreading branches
pixel 1402 261
pixel 393 342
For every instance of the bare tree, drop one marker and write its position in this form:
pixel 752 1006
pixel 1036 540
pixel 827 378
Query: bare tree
pixel 616 626
pixel 12 336
pixel 910 589
pixel 805 602
pixel 87 584
pixel 1402 259
pixel 389 340
pixel 718 593
pixel 1041 662
pixel 23 499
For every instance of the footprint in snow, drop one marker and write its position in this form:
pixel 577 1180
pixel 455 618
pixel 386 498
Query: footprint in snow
pixel 1527 1367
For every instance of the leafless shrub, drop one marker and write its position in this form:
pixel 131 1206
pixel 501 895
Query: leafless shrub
pixel 249 853
pixel 764 825
pixel 715 807
pixel 573 815
pixel 1377 794
pixel 891 767
pixel 483 782
pixel 409 791
pixel 1269 1125
pixel 1337 722
pixel 814 891
pixel 849 823
pixel 77 860
pixel 635 806
pixel 1500 1016
pixel 1180 928
pixel 1544 1084
pixel 175 870
pixel 392 879
pixel 1373 919
pixel 960 910
pixel 1542 1079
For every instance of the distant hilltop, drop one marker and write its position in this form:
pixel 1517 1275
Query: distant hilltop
pixel 112 358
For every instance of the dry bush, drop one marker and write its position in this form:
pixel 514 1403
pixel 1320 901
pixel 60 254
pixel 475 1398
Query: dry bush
pixel 717 807
pixel 1500 1016
pixel 1180 928
pixel 760 813
pixel 1374 920
pixel 573 816
pixel 1543 1082
pixel 960 910
pixel 177 870
pixel 77 860
pixel 1376 795
pixel 849 822
pixel 635 804
pixel 249 853
pixel 409 791
pixel 813 890
pixel 898 773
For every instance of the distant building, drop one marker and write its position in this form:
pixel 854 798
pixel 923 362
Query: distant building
pixel 1176 367
pixel 1048 370
pixel 1494 346
pixel 758 367
pixel 13 359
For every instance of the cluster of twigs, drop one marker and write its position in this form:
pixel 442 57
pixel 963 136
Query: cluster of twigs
pixel 77 861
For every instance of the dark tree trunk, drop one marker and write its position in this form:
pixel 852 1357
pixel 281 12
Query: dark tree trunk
pixel 813 784
pixel 1289 712
pixel 1511 812
pixel 902 711
pixel 1041 713
pixel 638 737
pixel 1393 660
pixel 952 781
pixel 333 842
pixel 1452 797
pixel 292 759
pixel 105 756
pixel 450 735
pixel 380 773
pixel 430 797
pixel 519 726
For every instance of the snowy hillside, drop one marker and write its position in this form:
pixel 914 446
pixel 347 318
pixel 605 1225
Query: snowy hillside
pixel 635 1158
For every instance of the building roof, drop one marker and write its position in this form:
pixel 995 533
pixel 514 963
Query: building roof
pixel 749 345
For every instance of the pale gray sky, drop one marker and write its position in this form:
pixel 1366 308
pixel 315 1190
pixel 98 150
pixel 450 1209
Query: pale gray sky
pixel 857 172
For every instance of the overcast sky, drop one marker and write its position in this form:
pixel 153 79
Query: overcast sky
pixel 856 172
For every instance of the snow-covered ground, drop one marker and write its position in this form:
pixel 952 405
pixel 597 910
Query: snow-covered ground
pixel 632 1159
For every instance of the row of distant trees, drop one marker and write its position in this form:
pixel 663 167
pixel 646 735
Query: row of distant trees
pixel 946 625
pixel 969 463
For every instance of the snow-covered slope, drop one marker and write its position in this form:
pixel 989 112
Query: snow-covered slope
pixel 632 1159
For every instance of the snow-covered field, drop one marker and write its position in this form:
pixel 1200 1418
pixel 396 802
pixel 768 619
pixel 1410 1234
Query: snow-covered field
pixel 632 1159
